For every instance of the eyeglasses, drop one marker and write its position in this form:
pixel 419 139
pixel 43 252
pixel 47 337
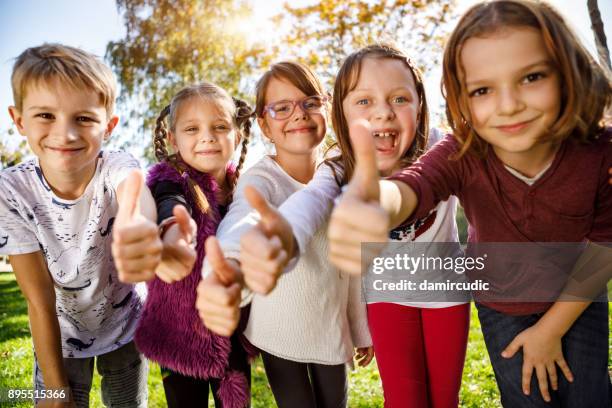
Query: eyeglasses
pixel 282 110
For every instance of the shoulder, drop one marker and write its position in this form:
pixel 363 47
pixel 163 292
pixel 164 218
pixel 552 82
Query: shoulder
pixel 18 177
pixel 118 158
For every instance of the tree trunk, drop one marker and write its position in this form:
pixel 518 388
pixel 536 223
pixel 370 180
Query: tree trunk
pixel 598 31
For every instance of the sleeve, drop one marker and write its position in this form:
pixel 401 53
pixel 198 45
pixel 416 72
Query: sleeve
pixel 17 235
pixel 309 208
pixel 357 314
pixel 168 194
pixel 601 230
pixel 435 176
pixel 239 218
pixel 117 165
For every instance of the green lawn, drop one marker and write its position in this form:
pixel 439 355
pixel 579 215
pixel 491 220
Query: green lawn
pixel 478 388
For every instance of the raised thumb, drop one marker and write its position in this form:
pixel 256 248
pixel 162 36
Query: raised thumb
pixel 129 202
pixel 364 182
pixel 222 269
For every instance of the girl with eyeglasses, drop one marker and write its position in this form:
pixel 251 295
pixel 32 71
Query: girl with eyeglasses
pixel 308 326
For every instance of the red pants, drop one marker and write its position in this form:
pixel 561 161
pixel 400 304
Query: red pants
pixel 420 353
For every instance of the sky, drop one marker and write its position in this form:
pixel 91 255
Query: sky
pixel 91 24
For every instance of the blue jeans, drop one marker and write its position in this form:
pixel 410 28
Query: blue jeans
pixel 124 378
pixel 585 349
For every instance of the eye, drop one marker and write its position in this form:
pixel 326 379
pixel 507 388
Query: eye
pixel 281 107
pixel 190 129
pixel 400 99
pixel 44 115
pixel 534 76
pixel 363 101
pixel 85 119
pixel 480 92
pixel 221 128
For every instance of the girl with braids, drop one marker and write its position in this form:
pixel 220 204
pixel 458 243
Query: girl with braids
pixel 203 125
pixel 308 328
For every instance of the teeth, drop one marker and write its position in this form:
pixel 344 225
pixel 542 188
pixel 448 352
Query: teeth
pixel 384 134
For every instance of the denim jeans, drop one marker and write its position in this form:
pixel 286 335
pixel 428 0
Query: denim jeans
pixel 124 378
pixel 585 349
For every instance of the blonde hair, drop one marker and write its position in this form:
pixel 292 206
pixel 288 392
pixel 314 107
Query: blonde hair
pixel 240 112
pixel 585 86
pixel 68 65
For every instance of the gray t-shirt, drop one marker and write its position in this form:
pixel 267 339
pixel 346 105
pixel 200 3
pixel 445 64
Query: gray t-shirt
pixel 96 312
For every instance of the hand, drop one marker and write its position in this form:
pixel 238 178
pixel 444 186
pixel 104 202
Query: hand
pixel 364 355
pixel 218 299
pixel 178 254
pixel 541 351
pixel 358 217
pixel 265 248
pixel 136 244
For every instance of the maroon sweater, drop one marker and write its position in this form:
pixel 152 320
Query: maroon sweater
pixel 571 202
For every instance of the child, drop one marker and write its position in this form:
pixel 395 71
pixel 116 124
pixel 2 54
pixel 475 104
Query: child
pixel 204 127
pixel 530 164
pixel 419 346
pixel 56 215
pixel 306 329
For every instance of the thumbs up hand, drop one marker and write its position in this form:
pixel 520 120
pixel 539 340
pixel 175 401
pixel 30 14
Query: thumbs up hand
pixel 265 248
pixel 136 246
pixel 178 254
pixel 218 298
pixel 358 216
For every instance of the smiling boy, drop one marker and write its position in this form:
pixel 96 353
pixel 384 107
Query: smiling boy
pixel 56 216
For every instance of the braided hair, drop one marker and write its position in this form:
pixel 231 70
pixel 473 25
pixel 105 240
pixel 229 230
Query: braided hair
pixel 242 115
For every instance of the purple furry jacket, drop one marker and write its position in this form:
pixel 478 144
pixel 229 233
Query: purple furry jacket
pixel 170 331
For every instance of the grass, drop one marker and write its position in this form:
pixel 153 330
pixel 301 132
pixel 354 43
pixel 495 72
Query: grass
pixel 478 388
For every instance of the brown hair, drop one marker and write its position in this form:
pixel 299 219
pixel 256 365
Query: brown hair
pixel 295 73
pixel 346 81
pixel 241 114
pixel 585 89
pixel 68 65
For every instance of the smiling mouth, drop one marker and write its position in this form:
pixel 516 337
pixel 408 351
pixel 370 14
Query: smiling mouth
pixel 66 150
pixel 301 130
pixel 385 141
pixel 515 127
pixel 208 152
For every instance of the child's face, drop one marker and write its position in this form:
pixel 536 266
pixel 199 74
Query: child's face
pixel 204 135
pixel 65 128
pixel 301 132
pixel 513 89
pixel 385 96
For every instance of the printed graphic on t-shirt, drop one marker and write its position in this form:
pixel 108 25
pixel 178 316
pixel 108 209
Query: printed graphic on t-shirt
pixel 96 312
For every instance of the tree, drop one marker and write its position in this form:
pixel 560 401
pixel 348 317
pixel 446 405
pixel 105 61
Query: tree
pixel 171 43
pixel 322 34
pixel 9 155
pixel 597 26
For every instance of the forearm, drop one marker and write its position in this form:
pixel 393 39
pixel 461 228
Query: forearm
pixel 47 344
pixel 147 205
pixel 561 316
pixel 398 200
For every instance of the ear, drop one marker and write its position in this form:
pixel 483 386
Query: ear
pixel 172 140
pixel 265 129
pixel 112 123
pixel 17 119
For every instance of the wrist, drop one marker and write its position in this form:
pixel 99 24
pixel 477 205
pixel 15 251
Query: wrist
pixel 165 225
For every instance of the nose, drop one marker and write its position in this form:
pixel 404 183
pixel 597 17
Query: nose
pixel 207 137
pixel 64 130
pixel 299 113
pixel 509 101
pixel 384 111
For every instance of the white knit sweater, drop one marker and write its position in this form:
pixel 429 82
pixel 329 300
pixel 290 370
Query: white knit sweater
pixel 315 314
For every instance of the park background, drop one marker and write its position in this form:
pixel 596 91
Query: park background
pixel 157 46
